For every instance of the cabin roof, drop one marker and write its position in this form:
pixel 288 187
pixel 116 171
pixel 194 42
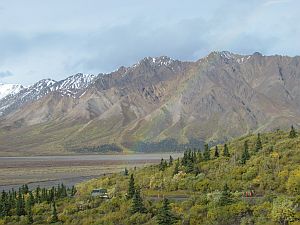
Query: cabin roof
pixel 99 190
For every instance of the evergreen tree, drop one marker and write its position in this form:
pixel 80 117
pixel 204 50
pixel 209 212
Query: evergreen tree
pixel 189 155
pixel 51 195
pixel 29 212
pixel 12 199
pixel 199 156
pixel 171 161
pixel 131 188
pixel 163 165
pixel 25 189
pixel 165 216
pixel 73 190
pixel 225 198
pixel 217 152
pixel 245 155
pixel 20 207
pixel 226 151
pixel 64 190
pixel 54 217
pixel 137 203
pixel 37 194
pixel 206 153
pixel 258 145
pixel 293 133
pixel 176 168
pixel 4 204
pixel 184 158
pixel 189 168
pixel 31 198
pixel 126 172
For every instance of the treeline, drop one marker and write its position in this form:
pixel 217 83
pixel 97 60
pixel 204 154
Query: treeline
pixel 191 158
pixel 168 145
pixel 19 203
pixel 107 148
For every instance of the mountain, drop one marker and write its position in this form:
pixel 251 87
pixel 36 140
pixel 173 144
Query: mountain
pixel 9 89
pixel 72 86
pixel 157 100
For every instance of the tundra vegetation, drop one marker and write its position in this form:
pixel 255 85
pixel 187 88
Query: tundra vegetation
pixel 251 180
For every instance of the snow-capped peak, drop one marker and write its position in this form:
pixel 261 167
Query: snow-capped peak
pixel 76 81
pixel 8 89
pixel 72 86
pixel 223 54
pixel 156 61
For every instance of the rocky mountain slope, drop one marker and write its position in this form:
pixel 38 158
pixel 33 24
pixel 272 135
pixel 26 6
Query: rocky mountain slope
pixel 154 100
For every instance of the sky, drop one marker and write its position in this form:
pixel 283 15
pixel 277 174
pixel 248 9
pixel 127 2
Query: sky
pixel 58 38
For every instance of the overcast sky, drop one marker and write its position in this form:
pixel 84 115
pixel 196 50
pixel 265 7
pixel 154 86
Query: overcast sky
pixel 57 38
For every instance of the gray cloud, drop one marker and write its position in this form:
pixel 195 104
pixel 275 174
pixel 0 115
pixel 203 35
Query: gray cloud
pixel 43 40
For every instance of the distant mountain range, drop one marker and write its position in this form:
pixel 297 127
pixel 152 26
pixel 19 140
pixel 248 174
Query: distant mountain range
pixel 220 96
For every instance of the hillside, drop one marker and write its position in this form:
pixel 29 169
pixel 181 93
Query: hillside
pixel 155 100
pixel 261 187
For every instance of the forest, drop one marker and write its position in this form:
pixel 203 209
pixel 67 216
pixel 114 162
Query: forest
pixel 254 179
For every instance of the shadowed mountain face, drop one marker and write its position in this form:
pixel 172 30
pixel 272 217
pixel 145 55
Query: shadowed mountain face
pixel 214 99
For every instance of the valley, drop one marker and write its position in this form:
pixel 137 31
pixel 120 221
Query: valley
pixel 47 171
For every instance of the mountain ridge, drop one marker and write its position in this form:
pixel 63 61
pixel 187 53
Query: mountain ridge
pixel 161 98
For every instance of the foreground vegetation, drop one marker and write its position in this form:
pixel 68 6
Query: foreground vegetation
pixel 252 180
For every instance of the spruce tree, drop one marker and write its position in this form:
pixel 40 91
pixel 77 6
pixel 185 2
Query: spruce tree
pixel 217 152
pixel 31 198
pixel 171 161
pixel 125 172
pixel 206 153
pixel 165 216
pixel 131 188
pixel 25 189
pixel 54 217
pixel 226 151
pixel 176 168
pixel 189 168
pixel 137 203
pixel 245 155
pixel 225 198
pixel 184 158
pixel 29 212
pixel 64 190
pixel 258 145
pixel 4 204
pixel 12 199
pixel 37 194
pixel 199 156
pixel 162 165
pixel 293 132
pixel 73 190
pixel 20 206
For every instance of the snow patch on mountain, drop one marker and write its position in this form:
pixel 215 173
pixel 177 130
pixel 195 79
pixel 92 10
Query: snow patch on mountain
pixel 9 89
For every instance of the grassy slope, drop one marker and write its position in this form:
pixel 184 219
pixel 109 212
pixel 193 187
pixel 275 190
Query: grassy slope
pixel 273 173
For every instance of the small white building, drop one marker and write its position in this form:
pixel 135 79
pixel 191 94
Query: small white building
pixel 100 192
